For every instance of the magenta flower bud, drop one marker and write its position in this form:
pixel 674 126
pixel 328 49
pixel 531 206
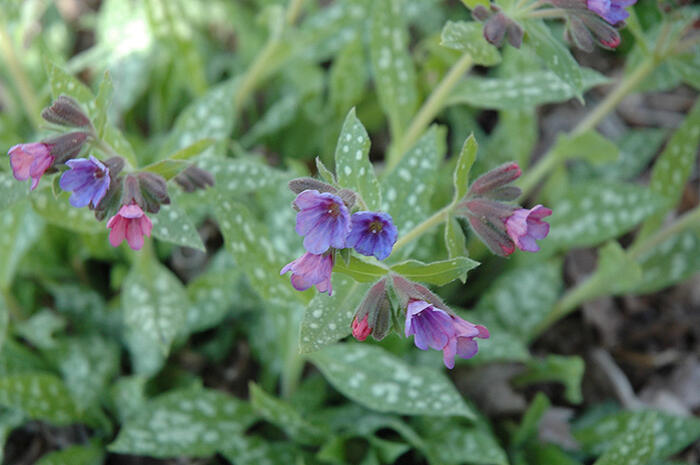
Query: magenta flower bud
pixel 372 233
pixel 309 270
pixel 30 161
pixel 524 226
pixel 66 112
pixel 323 219
pixel 495 179
pixel 361 329
pixel 373 315
pixel 88 179
pixel 130 223
pixel 435 328
pixel 612 11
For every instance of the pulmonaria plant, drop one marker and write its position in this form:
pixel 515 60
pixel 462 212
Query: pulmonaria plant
pixel 94 183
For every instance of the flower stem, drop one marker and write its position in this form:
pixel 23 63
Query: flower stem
pixel 22 82
pixel 688 220
pixel 428 111
pixel 420 229
pixel 547 13
pixel 550 160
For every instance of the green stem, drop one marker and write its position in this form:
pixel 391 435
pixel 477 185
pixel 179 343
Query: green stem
pixel 549 161
pixel 22 82
pixel 436 219
pixel 547 13
pixel 293 11
pixel 428 111
pixel 12 305
pixel 690 219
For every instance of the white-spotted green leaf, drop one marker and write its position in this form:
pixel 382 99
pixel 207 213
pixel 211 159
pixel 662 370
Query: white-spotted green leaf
pixel 595 212
pixel 41 329
pixel 468 37
pixel 282 414
pixel 407 189
pixel 279 115
pixel 566 370
pixel 555 55
pixel 175 163
pixel 517 92
pixel 21 227
pixel 359 269
pixel 380 381
pixel 328 319
pixel 672 261
pixel 451 443
pixel 392 66
pixel 438 273
pixel 61 213
pixel 455 242
pixel 102 101
pixel 237 176
pixel 352 165
pixel 172 224
pixel 193 422
pixel 325 32
pixel 617 271
pixel 91 454
pixel 212 296
pixel 41 396
pixel 154 303
pixel 590 146
pixel 115 139
pixel 62 83
pixel 348 77
pixel 128 395
pixel 11 190
pixel 464 165
pixel 633 447
pixel 254 450
pixel 671 433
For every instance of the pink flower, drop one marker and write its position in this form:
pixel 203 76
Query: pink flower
pixel 309 270
pixel 437 329
pixel 30 161
pixel 361 329
pixel 524 226
pixel 130 223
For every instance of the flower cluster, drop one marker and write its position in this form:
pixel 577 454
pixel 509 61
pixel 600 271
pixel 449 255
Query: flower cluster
pixel 503 227
pixel 325 222
pixel 94 183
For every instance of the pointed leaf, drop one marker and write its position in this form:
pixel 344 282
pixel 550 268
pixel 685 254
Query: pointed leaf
pixel 438 273
pixel 464 164
pixel 468 37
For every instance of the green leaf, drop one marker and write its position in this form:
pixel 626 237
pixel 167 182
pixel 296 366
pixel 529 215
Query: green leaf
pixel 62 83
pixel 4 323
pixel 74 455
pixel 450 442
pixel 285 416
pixel 595 212
pixel 671 434
pixel 392 66
pixel 154 303
pixel 173 225
pixel 555 55
pixel 531 419
pixel 633 447
pixel 352 163
pixel 61 213
pixel 41 396
pixel 687 66
pixel 193 422
pixel 328 319
pixel 21 228
pixel 501 346
pixel 566 370
pixel 672 261
pixel 464 165
pixel 360 270
pixel 590 146
pixel 471 4
pixel 348 77
pixel 525 90
pixel 438 273
pixel 378 380
pixel 11 190
pixel 175 163
pixel 455 242
pixel 102 101
pixel 254 450
pixel 324 172
pixel 408 187
pixel 41 328
pixel 211 295
pixel 617 272
pixel 115 139
pixel 468 37
pixel 238 176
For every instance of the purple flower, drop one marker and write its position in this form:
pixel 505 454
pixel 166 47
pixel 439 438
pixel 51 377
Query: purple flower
pixel 30 161
pixel 612 11
pixel 88 179
pixel 324 219
pixel 311 269
pixel 130 223
pixel 372 233
pixel 524 226
pixel 434 328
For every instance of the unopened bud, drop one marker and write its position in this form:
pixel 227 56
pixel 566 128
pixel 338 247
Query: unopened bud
pixel 348 197
pixel 514 32
pixel 408 290
pixel 480 13
pixel 373 315
pixel 492 232
pixel 154 191
pixel 115 165
pixel 194 178
pixel 495 29
pixel 132 192
pixel 66 146
pixel 111 202
pixel 66 112
pixel 299 185
pixel 497 177
pixel 578 34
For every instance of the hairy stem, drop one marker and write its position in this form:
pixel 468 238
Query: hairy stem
pixel 547 13
pixel 437 218
pixel 428 111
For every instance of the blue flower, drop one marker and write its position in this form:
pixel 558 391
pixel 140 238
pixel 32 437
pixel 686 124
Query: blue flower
pixel 88 179
pixel 372 233
pixel 323 219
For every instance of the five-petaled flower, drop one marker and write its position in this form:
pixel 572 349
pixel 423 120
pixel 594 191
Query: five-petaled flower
pixel 524 226
pixel 323 219
pixel 612 11
pixel 30 161
pixel 311 269
pixel 372 233
pixel 437 329
pixel 130 223
pixel 89 180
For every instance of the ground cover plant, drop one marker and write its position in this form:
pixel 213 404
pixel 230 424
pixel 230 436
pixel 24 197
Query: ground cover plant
pixel 349 232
